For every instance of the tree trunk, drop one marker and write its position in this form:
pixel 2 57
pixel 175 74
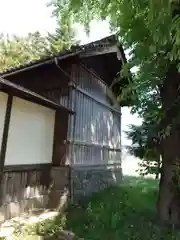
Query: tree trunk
pixel 168 205
pixel 158 168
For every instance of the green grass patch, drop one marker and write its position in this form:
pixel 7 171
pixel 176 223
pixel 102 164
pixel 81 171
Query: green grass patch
pixel 127 212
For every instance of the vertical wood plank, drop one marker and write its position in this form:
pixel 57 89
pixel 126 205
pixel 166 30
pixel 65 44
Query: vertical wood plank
pixel 60 135
pixel 5 132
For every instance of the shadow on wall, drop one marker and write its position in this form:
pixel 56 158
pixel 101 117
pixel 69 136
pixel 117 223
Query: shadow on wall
pixel 96 124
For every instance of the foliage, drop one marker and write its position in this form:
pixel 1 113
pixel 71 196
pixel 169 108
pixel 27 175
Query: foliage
pixel 64 35
pixel 113 214
pixel 145 147
pixel 146 28
pixel 16 50
pixel 20 50
pixel 149 29
pixel 48 228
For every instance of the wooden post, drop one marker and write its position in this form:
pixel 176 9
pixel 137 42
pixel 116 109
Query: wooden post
pixel 5 132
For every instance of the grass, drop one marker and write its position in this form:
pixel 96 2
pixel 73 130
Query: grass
pixel 126 212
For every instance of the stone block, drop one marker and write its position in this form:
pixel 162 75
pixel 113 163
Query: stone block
pixel 87 180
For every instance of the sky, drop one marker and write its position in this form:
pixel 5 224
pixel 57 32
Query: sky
pixel 22 16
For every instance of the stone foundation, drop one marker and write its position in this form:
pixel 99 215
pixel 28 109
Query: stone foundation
pixel 89 179
pixel 28 192
pixel 60 192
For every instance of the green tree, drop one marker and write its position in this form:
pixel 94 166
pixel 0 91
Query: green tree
pixel 146 137
pixel 16 50
pixel 150 29
pixel 64 35
pixel 145 147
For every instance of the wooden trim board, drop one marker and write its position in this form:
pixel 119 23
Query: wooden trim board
pixel 29 167
pixel 5 132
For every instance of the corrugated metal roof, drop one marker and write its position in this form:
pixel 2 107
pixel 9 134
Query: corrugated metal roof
pixel 75 50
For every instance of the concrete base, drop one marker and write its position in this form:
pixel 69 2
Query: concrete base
pixel 79 181
pixel 89 179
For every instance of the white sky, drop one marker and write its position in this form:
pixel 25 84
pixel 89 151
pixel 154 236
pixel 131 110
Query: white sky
pixel 22 16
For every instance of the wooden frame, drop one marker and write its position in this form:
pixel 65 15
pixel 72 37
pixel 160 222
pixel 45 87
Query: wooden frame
pixel 5 132
pixel 95 99
pixel 61 126
pixel 15 90
pixel 99 51
pixel 26 94
pixel 39 63
pixel 79 143
pixel 28 167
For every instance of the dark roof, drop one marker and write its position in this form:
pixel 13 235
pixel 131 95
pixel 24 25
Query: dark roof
pixel 8 86
pixel 75 50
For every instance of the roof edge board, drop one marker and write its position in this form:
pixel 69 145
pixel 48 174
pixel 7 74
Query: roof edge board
pixel 35 65
pixel 105 50
pixel 106 42
pixel 27 92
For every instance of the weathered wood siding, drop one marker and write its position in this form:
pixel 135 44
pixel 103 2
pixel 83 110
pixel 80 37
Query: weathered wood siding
pixel 60 96
pixel 96 123
pixel 90 140
pixel 28 179
pixel 43 78
pixel 31 190
pixel 19 187
pixel 87 80
pixel 93 122
pixel 95 133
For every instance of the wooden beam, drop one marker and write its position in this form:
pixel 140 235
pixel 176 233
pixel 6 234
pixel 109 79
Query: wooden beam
pixel 28 95
pixel 108 166
pixel 38 64
pixel 118 111
pixel 5 132
pixel 60 136
pixel 95 145
pixel 28 167
pixel 109 92
pixel 99 51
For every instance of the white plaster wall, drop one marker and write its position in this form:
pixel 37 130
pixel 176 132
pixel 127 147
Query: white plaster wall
pixel 3 104
pixel 31 131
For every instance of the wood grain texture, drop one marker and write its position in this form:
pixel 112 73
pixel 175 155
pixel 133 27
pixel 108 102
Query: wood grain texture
pixel 18 186
pixel 28 191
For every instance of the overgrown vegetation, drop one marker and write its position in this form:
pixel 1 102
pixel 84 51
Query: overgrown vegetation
pixel 150 30
pixel 16 50
pixel 125 212
pixel 145 147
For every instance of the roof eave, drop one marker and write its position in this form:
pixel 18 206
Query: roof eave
pixel 26 68
pixel 75 50
pixel 26 94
